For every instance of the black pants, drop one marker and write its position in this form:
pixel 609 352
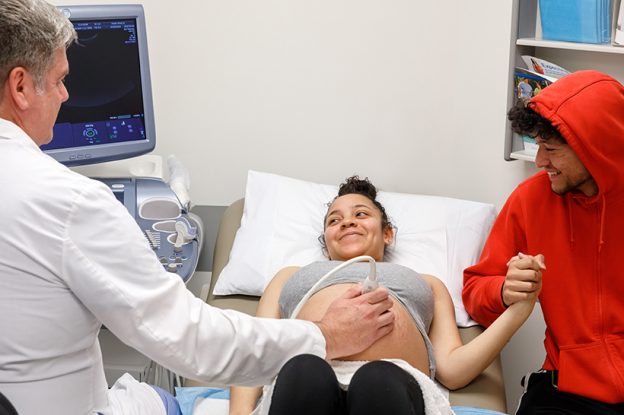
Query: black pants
pixel 5 406
pixel 307 385
pixel 542 398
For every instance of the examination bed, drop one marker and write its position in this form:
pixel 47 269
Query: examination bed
pixel 486 391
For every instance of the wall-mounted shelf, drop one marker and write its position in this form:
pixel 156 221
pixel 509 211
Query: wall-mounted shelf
pixel 523 155
pixel 580 47
pixel 526 40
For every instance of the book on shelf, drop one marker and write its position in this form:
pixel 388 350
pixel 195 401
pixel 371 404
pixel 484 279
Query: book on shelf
pixel 529 81
pixel 543 68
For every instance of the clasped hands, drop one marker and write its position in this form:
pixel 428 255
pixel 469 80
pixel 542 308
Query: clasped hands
pixel 523 281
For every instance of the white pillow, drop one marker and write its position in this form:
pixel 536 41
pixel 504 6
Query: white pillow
pixel 283 218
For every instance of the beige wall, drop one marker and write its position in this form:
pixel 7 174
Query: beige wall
pixel 411 94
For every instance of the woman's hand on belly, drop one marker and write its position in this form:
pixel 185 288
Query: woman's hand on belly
pixel 403 342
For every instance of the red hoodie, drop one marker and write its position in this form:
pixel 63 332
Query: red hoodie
pixel 582 239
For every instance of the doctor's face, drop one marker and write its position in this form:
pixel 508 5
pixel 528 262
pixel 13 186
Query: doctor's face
pixel 46 102
pixel 353 228
pixel 566 172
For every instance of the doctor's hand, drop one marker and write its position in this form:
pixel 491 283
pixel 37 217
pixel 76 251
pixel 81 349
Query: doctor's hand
pixel 523 281
pixel 354 321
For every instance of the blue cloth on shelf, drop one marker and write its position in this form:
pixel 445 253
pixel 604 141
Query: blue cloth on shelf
pixel 188 395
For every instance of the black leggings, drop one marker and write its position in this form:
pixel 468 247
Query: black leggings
pixel 307 385
pixel 541 398
pixel 5 406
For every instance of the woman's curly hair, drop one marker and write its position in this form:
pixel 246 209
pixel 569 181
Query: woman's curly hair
pixel 355 185
pixel 364 187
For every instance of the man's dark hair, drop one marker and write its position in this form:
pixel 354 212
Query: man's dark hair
pixel 526 121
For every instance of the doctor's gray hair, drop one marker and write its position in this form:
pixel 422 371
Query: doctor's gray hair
pixel 31 31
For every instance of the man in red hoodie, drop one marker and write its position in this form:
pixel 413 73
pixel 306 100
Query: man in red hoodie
pixel 571 212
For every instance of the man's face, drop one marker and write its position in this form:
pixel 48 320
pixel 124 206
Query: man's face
pixel 47 103
pixel 565 170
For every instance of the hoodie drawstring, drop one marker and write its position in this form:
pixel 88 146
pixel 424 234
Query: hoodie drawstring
pixel 602 221
pixel 571 224
pixel 603 214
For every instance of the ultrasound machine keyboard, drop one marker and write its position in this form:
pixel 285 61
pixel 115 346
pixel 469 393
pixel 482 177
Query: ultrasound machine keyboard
pixel 163 220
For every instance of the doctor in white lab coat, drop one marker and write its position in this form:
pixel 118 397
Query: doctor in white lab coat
pixel 72 258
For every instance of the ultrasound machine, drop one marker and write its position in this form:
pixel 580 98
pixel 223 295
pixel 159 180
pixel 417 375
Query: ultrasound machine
pixel 109 116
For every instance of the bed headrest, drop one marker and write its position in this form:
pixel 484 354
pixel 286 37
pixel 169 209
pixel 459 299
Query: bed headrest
pixel 283 218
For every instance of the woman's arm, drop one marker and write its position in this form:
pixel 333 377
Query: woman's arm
pixel 243 399
pixel 458 364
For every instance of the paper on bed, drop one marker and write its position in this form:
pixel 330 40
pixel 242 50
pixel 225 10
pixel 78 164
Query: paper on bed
pixel 203 401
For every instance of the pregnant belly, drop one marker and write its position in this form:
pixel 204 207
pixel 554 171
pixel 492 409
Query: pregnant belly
pixel 403 342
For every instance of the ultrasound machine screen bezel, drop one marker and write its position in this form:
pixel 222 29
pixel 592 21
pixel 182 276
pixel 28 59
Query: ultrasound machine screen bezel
pixel 91 154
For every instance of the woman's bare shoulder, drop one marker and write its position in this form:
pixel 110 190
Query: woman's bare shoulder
pixel 269 302
pixel 434 282
pixel 282 276
pixel 286 272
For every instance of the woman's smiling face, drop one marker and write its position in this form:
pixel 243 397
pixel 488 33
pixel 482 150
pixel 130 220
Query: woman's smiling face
pixel 353 227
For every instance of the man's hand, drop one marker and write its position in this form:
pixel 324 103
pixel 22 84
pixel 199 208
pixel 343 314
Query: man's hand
pixel 354 321
pixel 523 281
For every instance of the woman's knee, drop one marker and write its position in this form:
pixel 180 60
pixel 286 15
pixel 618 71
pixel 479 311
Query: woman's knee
pixel 306 385
pixel 305 372
pixel 306 365
pixel 384 387
pixel 379 372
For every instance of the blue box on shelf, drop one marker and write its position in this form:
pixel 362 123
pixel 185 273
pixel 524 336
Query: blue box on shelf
pixel 584 21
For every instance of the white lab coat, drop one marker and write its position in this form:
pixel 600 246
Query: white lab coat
pixel 72 258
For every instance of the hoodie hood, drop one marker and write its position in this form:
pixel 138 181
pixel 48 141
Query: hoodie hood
pixel 587 108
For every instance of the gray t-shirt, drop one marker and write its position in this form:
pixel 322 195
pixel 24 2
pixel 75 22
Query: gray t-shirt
pixel 404 284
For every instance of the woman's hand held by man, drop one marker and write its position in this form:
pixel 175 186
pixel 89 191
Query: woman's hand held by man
pixel 523 281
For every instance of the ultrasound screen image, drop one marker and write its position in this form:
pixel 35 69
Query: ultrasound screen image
pixel 105 96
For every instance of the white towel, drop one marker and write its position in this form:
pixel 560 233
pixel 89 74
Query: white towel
pixel 130 397
pixel 436 402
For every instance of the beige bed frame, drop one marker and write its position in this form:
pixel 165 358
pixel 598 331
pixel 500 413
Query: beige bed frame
pixel 486 391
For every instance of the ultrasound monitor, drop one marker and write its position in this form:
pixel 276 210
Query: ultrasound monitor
pixel 109 114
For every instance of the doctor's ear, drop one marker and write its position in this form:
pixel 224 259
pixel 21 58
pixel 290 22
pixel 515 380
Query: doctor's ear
pixel 20 85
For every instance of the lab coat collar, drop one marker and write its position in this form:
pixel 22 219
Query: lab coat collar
pixel 10 131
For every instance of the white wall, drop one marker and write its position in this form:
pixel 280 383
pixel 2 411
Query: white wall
pixel 411 94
